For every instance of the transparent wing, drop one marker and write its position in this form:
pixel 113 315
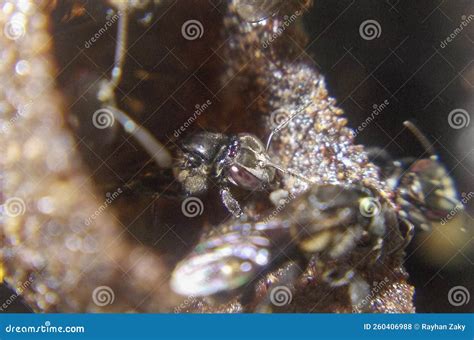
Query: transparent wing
pixel 227 260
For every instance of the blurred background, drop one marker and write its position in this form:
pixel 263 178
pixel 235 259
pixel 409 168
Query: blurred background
pixel 403 60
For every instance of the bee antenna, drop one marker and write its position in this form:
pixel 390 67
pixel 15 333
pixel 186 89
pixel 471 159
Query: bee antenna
pixel 157 151
pixel 421 137
pixel 290 172
pixel 107 92
pixel 282 125
pixel 120 48
pixel 269 140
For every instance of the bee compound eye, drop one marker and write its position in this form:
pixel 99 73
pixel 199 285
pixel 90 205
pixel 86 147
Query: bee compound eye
pixel 244 178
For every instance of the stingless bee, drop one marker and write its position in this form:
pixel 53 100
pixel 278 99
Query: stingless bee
pixel 331 222
pixel 423 189
pixel 241 160
pixel 343 227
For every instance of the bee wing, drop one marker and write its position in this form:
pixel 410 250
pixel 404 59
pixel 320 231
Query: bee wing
pixel 223 263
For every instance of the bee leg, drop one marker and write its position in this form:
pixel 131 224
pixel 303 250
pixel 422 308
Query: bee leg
pixel 413 215
pixel 230 202
pixel 407 235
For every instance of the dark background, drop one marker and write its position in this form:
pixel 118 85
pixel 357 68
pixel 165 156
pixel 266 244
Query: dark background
pixel 422 82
